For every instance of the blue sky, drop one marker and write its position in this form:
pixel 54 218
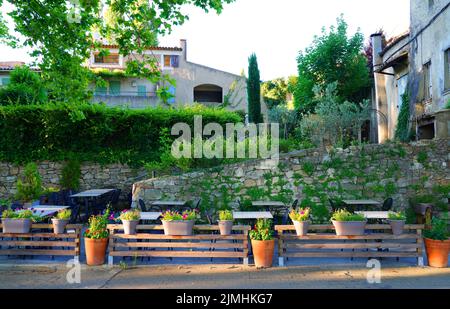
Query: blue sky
pixel 276 30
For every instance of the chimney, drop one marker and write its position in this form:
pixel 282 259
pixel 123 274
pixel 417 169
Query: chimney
pixel 183 45
pixel 377 46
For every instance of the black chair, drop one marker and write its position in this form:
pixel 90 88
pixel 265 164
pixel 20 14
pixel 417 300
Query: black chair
pixel 115 197
pixel 387 205
pixel 141 205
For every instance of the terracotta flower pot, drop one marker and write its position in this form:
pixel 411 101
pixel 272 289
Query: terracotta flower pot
pixel 15 226
pixel 59 226
pixel 437 252
pixel 301 227
pixel 397 226
pixel 349 228
pixel 225 227
pixel 129 227
pixel 178 228
pixel 95 251
pixel 263 252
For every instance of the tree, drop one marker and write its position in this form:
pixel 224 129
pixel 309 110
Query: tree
pixel 332 57
pixel 61 34
pixel 275 92
pixel 254 91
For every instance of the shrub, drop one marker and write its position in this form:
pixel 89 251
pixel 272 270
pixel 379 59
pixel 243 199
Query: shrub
pixel 343 215
pixel 263 230
pixel 225 215
pixel 92 131
pixel 25 87
pixel 29 187
pixel 71 174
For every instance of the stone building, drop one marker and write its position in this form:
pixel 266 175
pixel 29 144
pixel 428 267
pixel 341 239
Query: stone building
pixel 418 62
pixel 194 82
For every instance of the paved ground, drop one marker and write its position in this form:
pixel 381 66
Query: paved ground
pixel 334 275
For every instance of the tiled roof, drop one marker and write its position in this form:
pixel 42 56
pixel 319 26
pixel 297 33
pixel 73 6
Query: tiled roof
pixel 10 65
pixel 148 48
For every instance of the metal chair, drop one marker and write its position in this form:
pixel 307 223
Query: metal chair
pixel 387 205
pixel 115 197
pixel 141 205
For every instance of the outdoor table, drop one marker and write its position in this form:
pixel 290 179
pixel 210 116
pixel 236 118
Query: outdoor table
pixel 252 215
pixel 150 215
pixel 46 210
pixel 375 214
pixel 359 203
pixel 94 193
pixel 168 204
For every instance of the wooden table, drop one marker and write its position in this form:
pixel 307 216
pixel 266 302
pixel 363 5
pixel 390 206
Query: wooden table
pixel 359 203
pixel 150 215
pixel 375 214
pixel 245 215
pixel 46 210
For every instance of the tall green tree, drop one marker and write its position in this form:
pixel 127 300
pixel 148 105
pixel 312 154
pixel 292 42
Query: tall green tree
pixel 254 91
pixel 332 57
pixel 61 35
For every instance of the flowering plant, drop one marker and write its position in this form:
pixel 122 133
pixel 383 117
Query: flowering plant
pixel 63 214
pixel 186 215
pixel 98 226
pixel 300 215
pixel 130 215
pixel 400 216
pixel 262 230
pixel 225 215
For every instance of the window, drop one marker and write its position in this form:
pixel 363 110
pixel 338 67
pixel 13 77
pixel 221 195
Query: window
pixel 427 81
pixel 109 59
pixel 447 69
pixel 171 61
pixel 142 90
pixel 114 88
pixel 100 90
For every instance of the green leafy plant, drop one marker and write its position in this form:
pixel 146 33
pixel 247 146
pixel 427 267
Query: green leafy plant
pixel 130 215
pixel 64 214
pixel 226 215
pixel 71 174
pixel 29 187
pixel 186 215
pixel 262 230
pixel 21 214
pixel 397 216
pixel 438 231
pixel 402 132
pixel 300 215
pixel 98 226
pixel 342 215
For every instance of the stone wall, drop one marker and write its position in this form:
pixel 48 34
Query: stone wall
pixel 372 171
pixel 92 176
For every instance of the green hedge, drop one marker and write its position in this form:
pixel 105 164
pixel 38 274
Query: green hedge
pixel 92 132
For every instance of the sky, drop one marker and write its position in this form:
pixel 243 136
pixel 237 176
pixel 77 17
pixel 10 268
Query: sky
pixel 276 30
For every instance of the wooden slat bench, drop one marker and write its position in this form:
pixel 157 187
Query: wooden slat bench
pixel 328 244
pixel 42 241
pixel 203 244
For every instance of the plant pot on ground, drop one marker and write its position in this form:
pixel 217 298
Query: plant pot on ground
pixel 300 219
pixel 225 222
pixel 96 239
pixel 437 243
pixel 61 220
pixel 397 222
pixel 263 243
pixel 348 224
pixel 178 224
pixel 19 221
pixel 130 220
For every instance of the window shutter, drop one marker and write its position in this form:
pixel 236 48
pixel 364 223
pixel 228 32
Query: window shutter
pixel 172 91
pixel 175 61
pixel 142 90
pixel 114 88
pixel 101 90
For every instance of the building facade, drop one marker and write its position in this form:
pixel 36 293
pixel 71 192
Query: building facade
pixel 417 62
pixel 194 82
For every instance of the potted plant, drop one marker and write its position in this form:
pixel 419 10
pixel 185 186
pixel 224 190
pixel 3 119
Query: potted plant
pixel 437 243
pixel 225 222
pixel 96 239
pixel 29 188
pixel 300 219
pixel 178 224
pixel 19 221
pixel 130 220
pixel 397 221
pixel 61 220
pixel 347 223
pixel 263 243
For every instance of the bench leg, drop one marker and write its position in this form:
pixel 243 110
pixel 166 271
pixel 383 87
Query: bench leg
pixel 420 261
pixel 110 260
pixel 245 261
pixel 281 261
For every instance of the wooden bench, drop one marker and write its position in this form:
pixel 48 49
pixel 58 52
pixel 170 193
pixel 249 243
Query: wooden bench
pixel 42 241
pixel 328 244
pixel 205 243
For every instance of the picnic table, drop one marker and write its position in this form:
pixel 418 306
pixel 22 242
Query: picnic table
pixel 252 215
pixel 358 204
pixel 89 195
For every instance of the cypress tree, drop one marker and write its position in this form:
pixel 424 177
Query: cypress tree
pixel 254 91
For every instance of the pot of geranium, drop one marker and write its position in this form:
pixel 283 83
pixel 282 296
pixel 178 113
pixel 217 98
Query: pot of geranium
pixel 61 220
pixel 96 239
pixel 437 243
pixel 263 244
pixel 348 224
pixel 178 224
pixel 130 220
pixel 300 219
pixel 18 221
pixel 225 222
pixel 397 222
